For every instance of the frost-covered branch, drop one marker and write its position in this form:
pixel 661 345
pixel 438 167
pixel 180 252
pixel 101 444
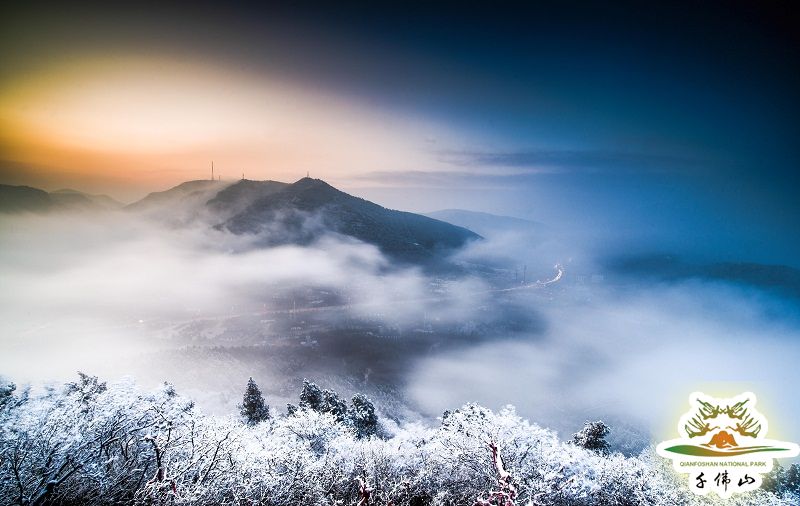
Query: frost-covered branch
pixel 118 445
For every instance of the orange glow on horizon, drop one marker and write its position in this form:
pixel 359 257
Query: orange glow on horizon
pixel 155 123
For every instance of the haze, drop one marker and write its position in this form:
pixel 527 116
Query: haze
pixel 651 167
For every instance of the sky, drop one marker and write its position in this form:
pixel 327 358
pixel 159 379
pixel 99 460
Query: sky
pixel 638 127
pixel 665 124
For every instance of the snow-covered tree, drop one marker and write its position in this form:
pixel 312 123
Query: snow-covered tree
pixel 253 408
pixel 793 478
pixel 323 401
pixel 363 417
pixel 7 389
pixel 123 446
pixel 781 480
pixel 334 405
pixel 86 389
pixel 593 437
pixel 311 396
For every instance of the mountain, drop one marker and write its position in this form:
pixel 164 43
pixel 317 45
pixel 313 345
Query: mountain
pixel 237 197
pixel 190 192
pixel 278 213
pixel 17 199
pixel 487 224
pixel 74 198
pixel 305 210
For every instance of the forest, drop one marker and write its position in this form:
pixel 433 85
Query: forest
pixel 88 442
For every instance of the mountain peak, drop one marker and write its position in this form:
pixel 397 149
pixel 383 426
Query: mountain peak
pixel 303 211
pixel 309 182
pixel 15 199
pixel 241 194
pixel 198 188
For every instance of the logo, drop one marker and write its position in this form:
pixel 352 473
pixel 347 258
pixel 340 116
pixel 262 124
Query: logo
pixel 723 445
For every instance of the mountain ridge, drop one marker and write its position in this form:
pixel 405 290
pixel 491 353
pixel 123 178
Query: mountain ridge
pixel 273 212
pixel 487 224
pixel 27 199
pixel 277 213
pixel 184 190
pixel 309 207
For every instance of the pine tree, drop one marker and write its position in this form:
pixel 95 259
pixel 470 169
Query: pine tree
pixel 322 401
pixel 334 405
pixel 793 478
pixel 775 480
pixel 311 396
pixel 253 408
pixel 362 416
pixel 593 437
pixel 6 391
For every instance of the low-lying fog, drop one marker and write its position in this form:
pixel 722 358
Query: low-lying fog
pixel 116 294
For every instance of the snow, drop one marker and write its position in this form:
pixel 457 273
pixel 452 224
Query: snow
pixel 103 445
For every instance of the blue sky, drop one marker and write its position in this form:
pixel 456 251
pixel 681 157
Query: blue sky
pixel 671 122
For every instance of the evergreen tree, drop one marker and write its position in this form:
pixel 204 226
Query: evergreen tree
pixel 793 478
pixel 7 388
pixel 6 391
pixel 362 416
pixel 322 401
pixel 775 480
pixel 311 396
pixel 593 437
pixel 253 408
pixel 334 405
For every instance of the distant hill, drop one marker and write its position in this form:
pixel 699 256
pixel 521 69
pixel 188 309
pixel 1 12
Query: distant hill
pixel 75 198
pixel 18 199
pixel 487 224
pixel 302 211
pixel 779 279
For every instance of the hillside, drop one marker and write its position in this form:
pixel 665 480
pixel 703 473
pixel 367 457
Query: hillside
pixel 20 199
pixel 303 211
pixel 182 194
pixel 75 198
pixel 300 213
pixel 238 196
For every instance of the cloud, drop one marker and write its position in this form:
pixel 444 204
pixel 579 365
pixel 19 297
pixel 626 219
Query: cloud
pixel 631 356
pixel 508 168
pixel 104 292
pixel 441 179
pixel 546 161
pixel 120 293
